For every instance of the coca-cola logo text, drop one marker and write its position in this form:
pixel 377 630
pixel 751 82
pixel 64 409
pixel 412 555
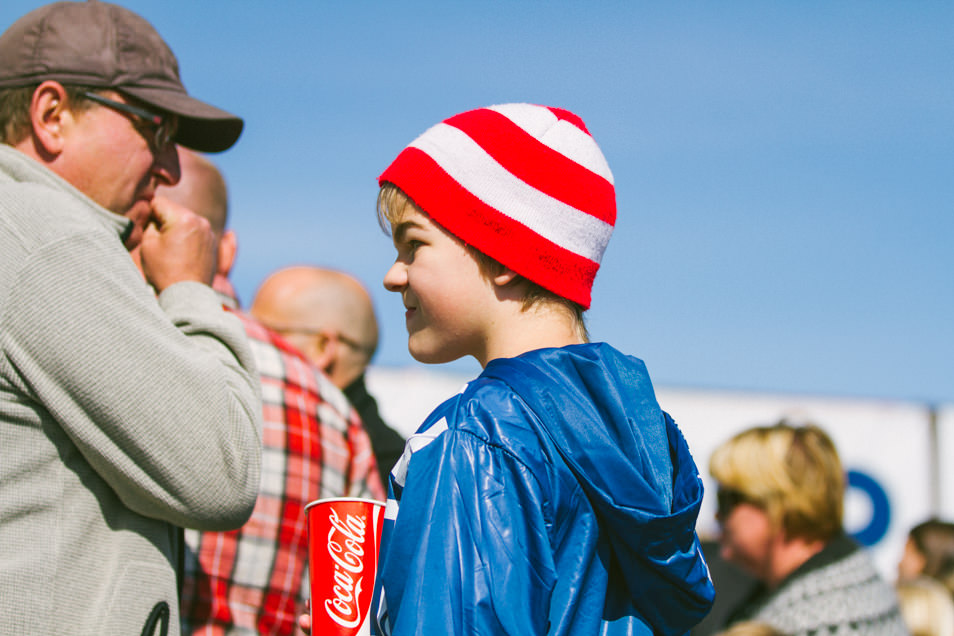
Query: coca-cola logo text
pixel 348 556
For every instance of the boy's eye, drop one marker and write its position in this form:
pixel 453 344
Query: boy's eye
pixel 407 248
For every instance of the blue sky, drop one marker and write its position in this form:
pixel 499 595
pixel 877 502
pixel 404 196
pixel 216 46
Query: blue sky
pixel 784 171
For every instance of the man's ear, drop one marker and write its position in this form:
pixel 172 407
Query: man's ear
pixel 50 115
pixel 325 349
pixel 228 246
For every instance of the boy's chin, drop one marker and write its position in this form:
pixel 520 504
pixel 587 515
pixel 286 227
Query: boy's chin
pixel 432 355
pixel 428 358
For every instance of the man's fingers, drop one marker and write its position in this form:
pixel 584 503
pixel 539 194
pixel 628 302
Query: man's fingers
pixel 165 212
pixel 177 245
pixel 168 216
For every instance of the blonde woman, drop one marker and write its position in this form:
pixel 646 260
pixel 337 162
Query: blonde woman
pixel 780 505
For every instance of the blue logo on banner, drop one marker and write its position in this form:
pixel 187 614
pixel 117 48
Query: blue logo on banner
pixel 880 508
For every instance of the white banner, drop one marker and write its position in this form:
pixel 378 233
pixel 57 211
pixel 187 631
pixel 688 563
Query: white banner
pixel 887 447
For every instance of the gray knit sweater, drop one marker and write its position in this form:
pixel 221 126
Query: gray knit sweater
pixel 120 417
pixel 838 592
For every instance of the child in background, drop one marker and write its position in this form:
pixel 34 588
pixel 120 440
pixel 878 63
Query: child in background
pixel 929 551
pixel 552 495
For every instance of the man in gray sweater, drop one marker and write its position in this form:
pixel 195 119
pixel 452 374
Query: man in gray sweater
pixel 125 411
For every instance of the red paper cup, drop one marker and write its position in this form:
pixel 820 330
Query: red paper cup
pixel 344 535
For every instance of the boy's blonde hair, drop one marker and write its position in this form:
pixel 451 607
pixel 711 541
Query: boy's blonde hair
pixel 793 473
pixel 391 205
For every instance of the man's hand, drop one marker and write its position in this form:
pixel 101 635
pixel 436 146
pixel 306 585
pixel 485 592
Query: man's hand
pixel 177 245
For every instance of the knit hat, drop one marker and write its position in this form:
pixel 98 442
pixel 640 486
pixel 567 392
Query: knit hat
pixel 103 45
pixel 524 184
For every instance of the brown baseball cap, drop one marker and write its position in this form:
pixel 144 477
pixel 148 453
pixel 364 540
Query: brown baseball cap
pixel 103 45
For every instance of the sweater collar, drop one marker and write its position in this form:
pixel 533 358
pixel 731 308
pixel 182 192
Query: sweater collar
pixel 23 169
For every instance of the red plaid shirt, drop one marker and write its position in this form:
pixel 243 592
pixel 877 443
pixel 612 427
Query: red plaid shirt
pixel 254 580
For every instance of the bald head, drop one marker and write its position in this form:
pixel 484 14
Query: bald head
pixel 321 306
pixel 201 189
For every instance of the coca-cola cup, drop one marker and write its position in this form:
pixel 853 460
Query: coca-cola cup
pixel 344 535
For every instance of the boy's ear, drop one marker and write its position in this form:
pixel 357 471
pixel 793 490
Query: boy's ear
pixel 505 276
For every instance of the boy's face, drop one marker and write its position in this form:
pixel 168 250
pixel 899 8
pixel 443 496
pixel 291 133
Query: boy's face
pixel 448 299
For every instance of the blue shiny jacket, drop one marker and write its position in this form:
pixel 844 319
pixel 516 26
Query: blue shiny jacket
pixel 551 496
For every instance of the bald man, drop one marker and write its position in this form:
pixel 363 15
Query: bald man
pixel 329 316
pixel 314 446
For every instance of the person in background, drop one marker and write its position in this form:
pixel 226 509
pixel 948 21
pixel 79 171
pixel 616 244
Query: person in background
pixel 552 495
pixel 254 580
pixel 330 317
pixel 780 504
pixel 929 551
pixel 124 413
pixel 927 606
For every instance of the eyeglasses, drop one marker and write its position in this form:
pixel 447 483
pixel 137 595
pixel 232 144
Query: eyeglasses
pixel 308 331
pixel 727 499
pixel 164 126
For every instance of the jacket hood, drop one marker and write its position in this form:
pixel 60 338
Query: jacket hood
pixel 634 466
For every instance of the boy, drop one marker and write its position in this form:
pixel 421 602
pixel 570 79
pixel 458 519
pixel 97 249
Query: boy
pixel 552 496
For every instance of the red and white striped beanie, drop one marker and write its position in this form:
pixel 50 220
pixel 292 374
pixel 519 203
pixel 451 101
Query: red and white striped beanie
pixel 524 184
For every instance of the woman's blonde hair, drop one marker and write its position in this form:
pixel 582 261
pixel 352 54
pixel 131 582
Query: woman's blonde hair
pixel 927 607
pixel 793 473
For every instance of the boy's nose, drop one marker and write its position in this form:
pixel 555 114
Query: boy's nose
pixel 396 278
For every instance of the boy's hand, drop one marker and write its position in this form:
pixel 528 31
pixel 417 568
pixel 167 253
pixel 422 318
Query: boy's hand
pixel 177 245
pixel 304 620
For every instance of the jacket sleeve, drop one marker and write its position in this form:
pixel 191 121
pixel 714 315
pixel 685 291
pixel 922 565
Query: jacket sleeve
pixel 161 399
pixel 472 535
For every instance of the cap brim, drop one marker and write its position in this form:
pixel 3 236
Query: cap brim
pixel 202 127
